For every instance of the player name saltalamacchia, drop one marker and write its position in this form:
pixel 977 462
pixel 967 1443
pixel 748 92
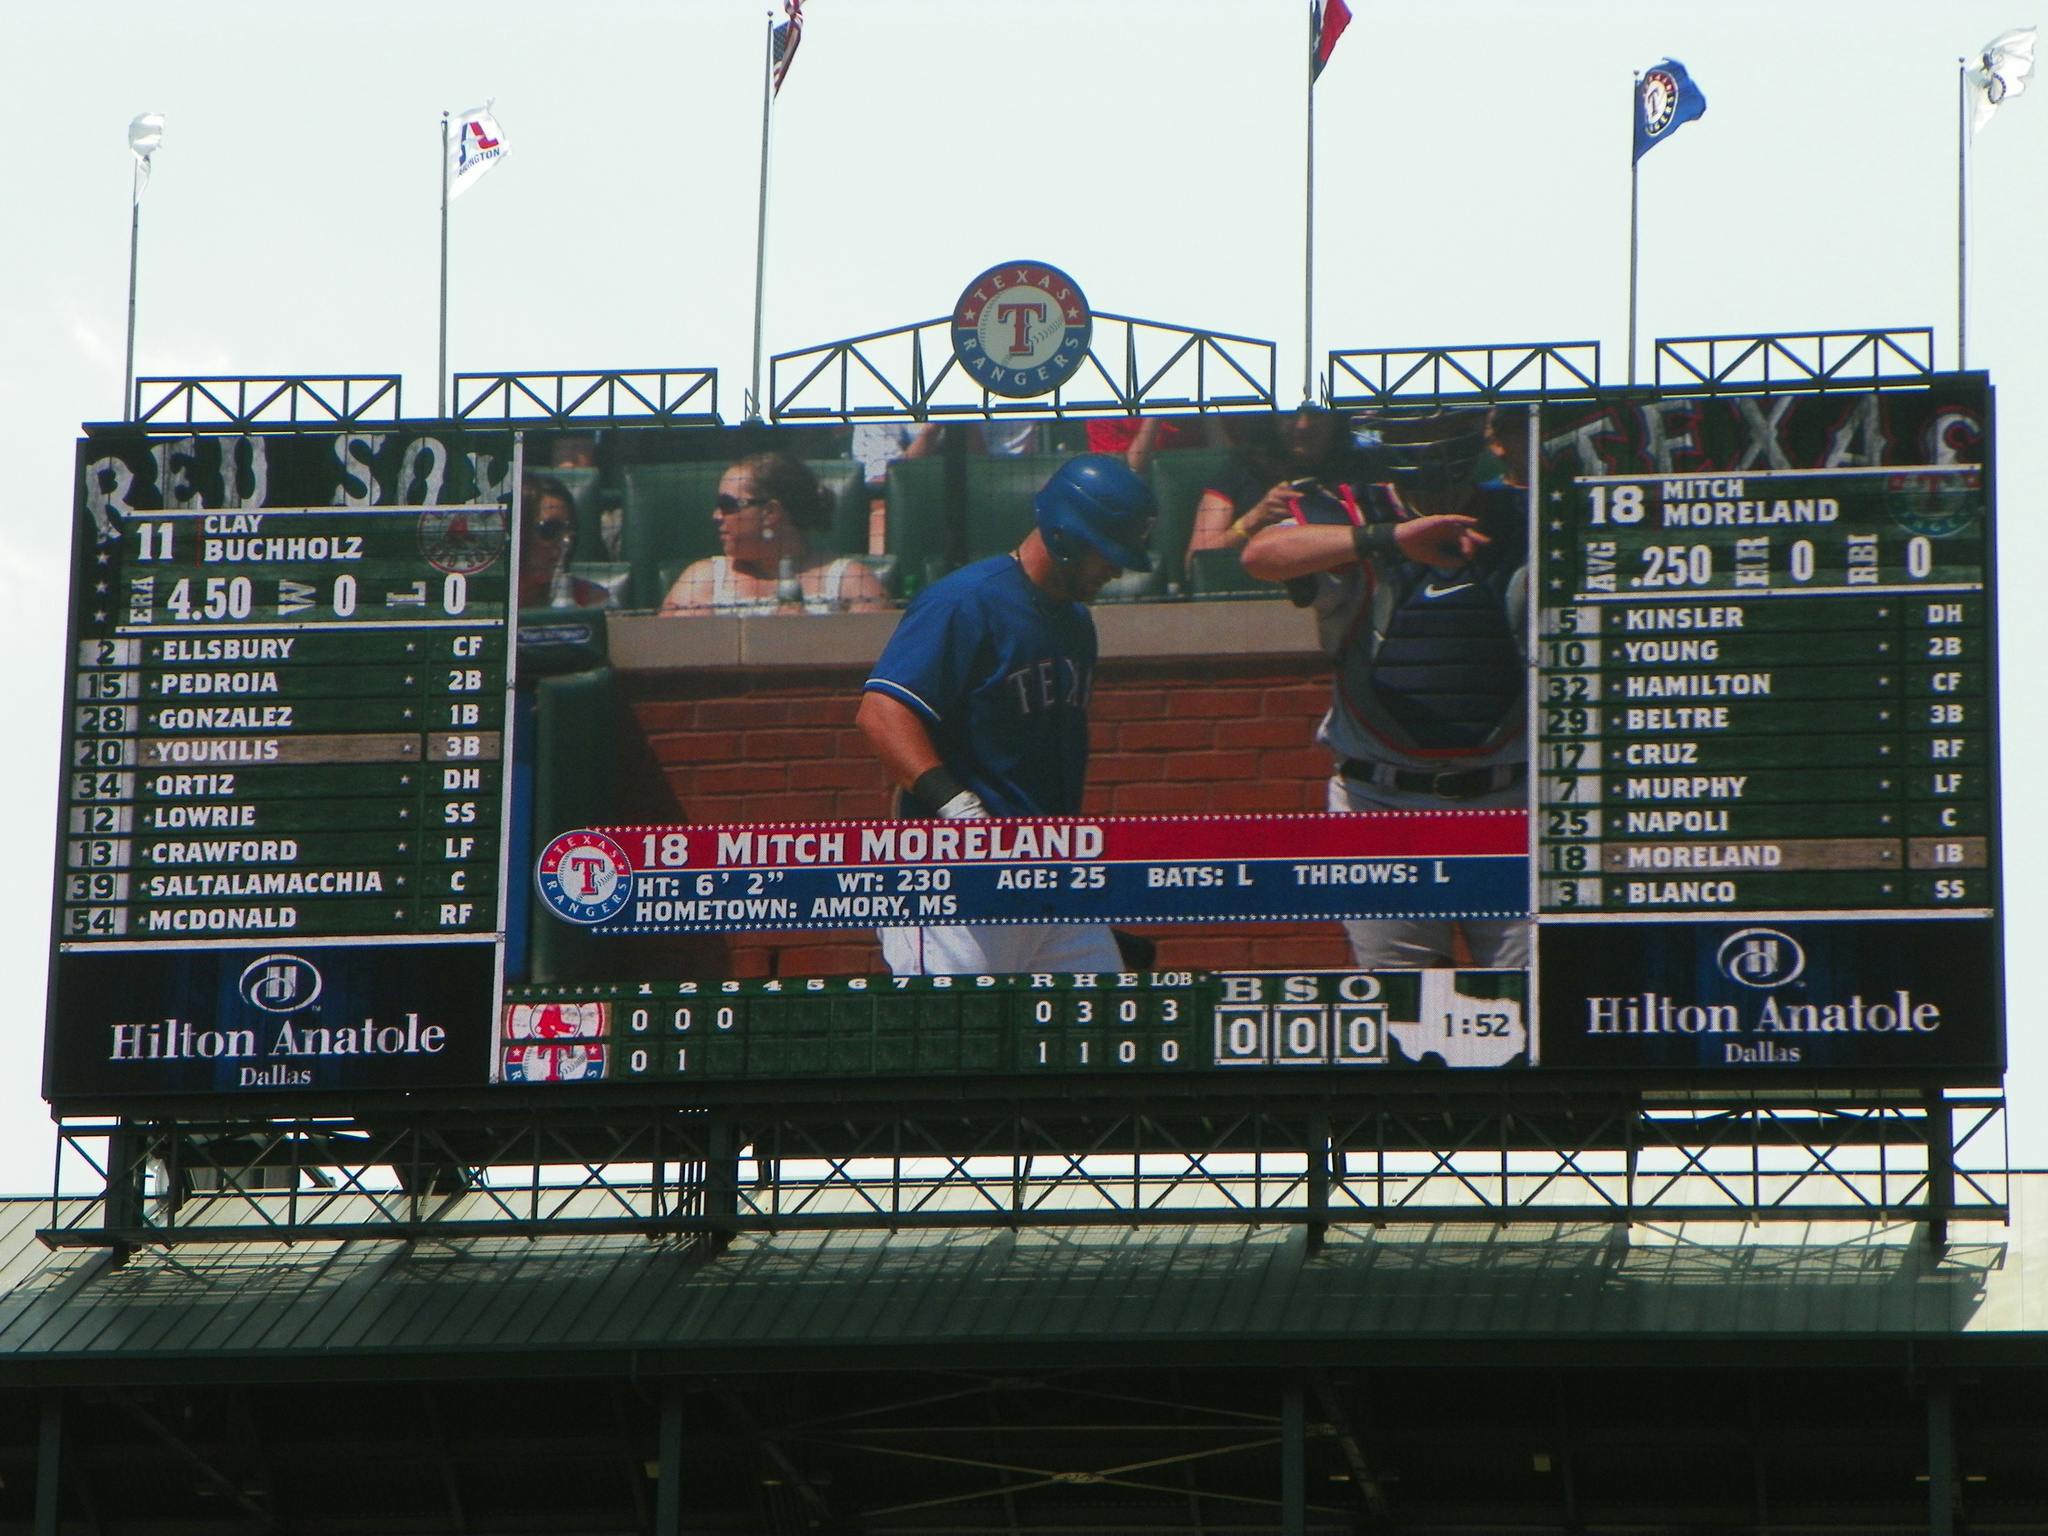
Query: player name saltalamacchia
pixel 215 884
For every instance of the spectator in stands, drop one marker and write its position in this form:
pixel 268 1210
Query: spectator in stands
pixel 769 509
pixel 547 534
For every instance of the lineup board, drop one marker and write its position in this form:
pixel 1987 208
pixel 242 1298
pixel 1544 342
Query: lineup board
pixel 1770 692
pixel 284 751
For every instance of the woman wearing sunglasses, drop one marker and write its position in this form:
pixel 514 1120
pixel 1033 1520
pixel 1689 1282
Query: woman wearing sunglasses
pixel 769 508
pixel 547 532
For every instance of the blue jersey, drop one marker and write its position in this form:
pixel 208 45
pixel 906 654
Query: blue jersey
pixel 999 673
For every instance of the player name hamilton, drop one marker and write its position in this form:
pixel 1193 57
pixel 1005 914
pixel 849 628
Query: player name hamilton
pixel 1772 1029
pixel 293 1042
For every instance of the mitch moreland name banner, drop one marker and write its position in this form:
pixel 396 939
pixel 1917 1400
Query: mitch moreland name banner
pixel 708 879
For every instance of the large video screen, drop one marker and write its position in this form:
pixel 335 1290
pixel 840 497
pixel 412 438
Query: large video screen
pixel 1635 734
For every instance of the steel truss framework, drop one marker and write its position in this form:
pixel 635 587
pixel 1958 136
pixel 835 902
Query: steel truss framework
pixel 644 395
pixel 227 403
pixel 1542 370
pixel 1121 1159
pixel 1132 365
pixel 1872 359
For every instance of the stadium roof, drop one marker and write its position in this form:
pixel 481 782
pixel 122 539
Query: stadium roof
pixel 851 1300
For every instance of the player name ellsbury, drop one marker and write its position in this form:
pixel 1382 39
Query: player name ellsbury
pixel 224 648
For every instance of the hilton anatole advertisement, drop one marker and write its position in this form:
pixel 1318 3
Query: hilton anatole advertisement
pixel 1821 995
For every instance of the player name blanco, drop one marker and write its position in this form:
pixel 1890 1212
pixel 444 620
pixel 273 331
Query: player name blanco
pixel 227 648
pixel 182 1040
pixel 1697 685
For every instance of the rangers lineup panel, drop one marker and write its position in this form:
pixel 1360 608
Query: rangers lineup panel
pixel 298 849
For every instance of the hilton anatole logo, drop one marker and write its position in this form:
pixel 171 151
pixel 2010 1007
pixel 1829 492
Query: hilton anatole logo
pixel 1767 1033
pixel 283 1054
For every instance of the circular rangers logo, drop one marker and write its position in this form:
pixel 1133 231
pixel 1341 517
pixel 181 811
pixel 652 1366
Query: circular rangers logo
pixel 1660 101
pixel 462 540
pixel 584 876
pixel 1761 957
pixel 1022 329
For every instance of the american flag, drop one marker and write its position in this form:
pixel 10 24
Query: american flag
pixel 787 35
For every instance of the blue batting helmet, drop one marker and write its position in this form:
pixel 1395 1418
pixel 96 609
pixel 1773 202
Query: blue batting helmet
pixel 1096 502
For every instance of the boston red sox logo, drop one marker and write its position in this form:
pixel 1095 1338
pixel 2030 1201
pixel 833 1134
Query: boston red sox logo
pixel 584 876
pixel 1022 329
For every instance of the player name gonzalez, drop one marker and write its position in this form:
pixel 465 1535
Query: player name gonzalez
pixel 668 879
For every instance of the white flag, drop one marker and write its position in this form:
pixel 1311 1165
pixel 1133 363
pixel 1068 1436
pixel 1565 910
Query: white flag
pixel 475 144
pixel 2002 71
pixel 145 134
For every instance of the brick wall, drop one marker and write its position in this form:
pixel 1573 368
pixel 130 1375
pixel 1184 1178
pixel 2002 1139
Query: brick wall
pixel 1191 736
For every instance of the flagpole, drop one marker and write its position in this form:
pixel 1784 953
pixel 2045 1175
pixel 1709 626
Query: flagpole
pixel 761 214
pixel 441 370
pixel 1634 163
pixel 1308 240
pixel 1962 226
pixel 134 249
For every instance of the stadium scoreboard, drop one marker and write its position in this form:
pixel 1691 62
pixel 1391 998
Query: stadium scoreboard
pixel 301 846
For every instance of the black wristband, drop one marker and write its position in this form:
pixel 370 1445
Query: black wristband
pixel 935 786
pixel 1370 539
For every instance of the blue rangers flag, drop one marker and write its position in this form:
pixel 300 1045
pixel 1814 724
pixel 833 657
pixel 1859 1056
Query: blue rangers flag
pixel 787 35
pixel 1666 98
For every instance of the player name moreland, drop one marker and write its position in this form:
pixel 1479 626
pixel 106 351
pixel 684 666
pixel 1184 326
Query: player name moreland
pixel 914 842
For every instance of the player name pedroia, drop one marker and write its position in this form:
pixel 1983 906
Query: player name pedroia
pixel 915 842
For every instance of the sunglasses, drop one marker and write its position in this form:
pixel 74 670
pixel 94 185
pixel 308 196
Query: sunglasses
pixel 726 505
pixel 553 529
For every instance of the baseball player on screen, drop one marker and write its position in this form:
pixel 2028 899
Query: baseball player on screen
pixel 979 704
pixel 1418 575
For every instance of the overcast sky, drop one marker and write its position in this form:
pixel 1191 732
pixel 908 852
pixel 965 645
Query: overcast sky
pixel 1473 184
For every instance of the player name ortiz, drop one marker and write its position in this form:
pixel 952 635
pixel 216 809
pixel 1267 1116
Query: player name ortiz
pixel 1456 863
pixel 1022 329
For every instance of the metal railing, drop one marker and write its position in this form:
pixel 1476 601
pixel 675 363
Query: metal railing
pixel 589 398
pixel 1540 370
pixel 1795 359
pixel 1132 365
pixel 226 403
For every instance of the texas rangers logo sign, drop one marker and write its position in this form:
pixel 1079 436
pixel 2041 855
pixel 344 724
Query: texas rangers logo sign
pixel 585 877
pixel 1022 329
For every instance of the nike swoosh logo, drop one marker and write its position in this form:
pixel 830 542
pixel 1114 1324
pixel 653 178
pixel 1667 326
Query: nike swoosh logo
pixel 1463 586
